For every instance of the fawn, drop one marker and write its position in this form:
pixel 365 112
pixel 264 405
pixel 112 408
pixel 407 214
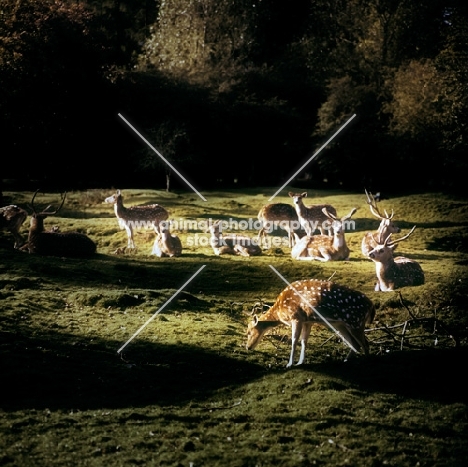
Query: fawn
pixel 232 244
pixel 166 244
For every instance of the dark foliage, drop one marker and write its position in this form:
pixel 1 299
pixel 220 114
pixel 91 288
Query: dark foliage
pixel 260 110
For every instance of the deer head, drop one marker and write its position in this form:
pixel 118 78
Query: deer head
pixel 384 252
pixel 386 224
pixel 338 223
pixel 113 198
pixel 37 218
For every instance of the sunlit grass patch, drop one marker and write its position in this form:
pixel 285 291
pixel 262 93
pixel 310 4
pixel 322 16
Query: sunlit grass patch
pixel 185 390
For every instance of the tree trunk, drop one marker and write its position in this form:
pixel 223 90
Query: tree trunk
pixel 168 181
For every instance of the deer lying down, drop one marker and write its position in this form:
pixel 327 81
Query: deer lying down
pixel 166 244
pixel 386 227
pixel 323 247
pixel 306 302
pixel 12 218
pixel 393 273
pixel 53 242
pixel 232 244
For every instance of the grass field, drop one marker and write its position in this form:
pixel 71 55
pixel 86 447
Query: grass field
pixel 185 391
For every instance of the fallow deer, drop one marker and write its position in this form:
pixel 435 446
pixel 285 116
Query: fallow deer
pixel 12 218
pixel 323 247
pixel 136 216
pixel 306 302
pixel 386 227
pixel 166 244
pixel 311 217
pixel 232 244
pixel 278 215
pixel 54 242
pixel 393 273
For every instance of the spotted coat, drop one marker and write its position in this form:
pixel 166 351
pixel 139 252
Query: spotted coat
pixel 305 302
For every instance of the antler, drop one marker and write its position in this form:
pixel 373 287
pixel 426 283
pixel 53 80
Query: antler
pixel 345 218
pixel 331 216
pixel 46 210
pixel 259 307
pixel 387 243
pixel 374 209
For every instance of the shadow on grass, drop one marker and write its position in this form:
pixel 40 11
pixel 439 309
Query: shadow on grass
pixel 60 371
pixel 432 374
pixel 66 372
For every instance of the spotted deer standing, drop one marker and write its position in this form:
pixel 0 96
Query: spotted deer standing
pixel 278 215
pixel 324 247
pixel 386 227
pixel 166 244
pixel 232 244
pixel 306 302
pixel 12 218
pixel 137 217
pixel 53 242
pixel 393 273
pixel 311 217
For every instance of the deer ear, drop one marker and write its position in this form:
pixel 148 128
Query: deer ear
pixel 291 194
pixel 304 195
pixel 255 320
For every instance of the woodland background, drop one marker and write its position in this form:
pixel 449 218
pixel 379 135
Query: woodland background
pixel 234 92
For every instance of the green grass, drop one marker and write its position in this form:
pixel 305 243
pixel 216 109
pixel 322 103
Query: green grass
pixel 185 391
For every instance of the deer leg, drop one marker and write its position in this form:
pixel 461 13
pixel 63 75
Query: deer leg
pixel 290 238
pixel 325 255
pixel 306 258
pixel 304 338
pixel 307 227
pixel 156 249
pixel 260 236
pixel 19 241
pixel 295 334
pixel 241 250
pixel 130 242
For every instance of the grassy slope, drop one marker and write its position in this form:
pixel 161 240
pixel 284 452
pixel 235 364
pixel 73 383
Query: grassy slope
pixel 185 391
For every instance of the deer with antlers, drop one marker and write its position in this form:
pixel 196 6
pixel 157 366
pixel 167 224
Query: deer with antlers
pixel 306 302
pixel 166 244
pixel 393 273
pixel 12 218
pixel 386 227
pixel 54 242
pixel 311 217
pixel 278 215
pixel 232 244
pixel 324 247
pixel 136 216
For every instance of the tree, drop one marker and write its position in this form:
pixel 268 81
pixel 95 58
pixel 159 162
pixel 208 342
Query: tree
pixel 51 70
pixel 194 38
pixel 171 139
pixel 429 104
pixel 385 64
